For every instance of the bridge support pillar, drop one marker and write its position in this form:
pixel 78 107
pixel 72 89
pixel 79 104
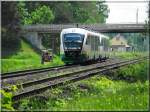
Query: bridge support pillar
pixel 34 39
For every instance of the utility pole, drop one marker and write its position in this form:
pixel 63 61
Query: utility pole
pixel 137 11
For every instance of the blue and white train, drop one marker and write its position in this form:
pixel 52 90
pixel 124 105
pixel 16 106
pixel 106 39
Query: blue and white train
pixel 79 45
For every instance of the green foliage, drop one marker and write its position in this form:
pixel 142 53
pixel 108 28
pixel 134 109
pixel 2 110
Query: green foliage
pixel 64 12
pixel 103 10
pixel 23 12
pixel 128 55
pixel 81 15
pixel 105 94
pixel 135 71
pixel 138 41
pixel 41 15
pixel 24 104
pixel 6 98
pixel 26 58
pixel 104 83
pixel 10 26
pixel 89 12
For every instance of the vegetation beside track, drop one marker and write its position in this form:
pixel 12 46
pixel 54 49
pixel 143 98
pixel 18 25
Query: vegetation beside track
pixel 97 93
pixel 26 58
pixel 128 55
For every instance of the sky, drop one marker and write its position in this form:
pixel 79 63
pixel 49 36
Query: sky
pixel 125 11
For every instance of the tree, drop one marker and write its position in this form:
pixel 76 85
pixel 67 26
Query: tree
pixel 23 12
pixel 10 24
pixel 88 12
pixel 41 15
pixel 67 11
pixel 102 10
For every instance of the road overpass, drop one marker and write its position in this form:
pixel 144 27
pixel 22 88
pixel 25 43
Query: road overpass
pixel 56 28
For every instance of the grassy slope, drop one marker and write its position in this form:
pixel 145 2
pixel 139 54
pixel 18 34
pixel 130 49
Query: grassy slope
pixel 26 58
pixel 97 93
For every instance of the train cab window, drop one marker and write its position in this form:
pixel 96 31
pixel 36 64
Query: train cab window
pixel 73 37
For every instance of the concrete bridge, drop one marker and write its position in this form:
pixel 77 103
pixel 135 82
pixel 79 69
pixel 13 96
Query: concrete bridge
pixel 103 28
pixel 33 32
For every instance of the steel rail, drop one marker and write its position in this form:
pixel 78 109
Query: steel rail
pixel 26 84
pixel 33 71
pixel 65 79
pixel 84 68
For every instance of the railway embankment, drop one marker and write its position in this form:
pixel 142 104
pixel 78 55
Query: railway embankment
pixel 100 92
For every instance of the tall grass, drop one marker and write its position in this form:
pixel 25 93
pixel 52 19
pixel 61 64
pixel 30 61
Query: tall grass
pixel 111 95
pixel 26 58
pixel 128 55
pixel 135 71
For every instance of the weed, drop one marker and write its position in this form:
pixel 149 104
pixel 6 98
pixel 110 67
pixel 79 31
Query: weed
pixel 6 100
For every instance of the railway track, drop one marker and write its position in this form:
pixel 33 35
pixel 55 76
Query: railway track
pixel 33 71
pixel 39 86
pixel 34 75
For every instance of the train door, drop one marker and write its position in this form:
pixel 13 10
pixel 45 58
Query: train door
pixel 93 46
pixel 102 47
pixel 87 47
pixel 97 42
pixel 105 44
pixel 99 47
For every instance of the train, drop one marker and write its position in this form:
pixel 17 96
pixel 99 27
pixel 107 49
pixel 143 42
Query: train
pixel 78 45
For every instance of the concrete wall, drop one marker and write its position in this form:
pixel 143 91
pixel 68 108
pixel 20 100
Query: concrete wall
pixel 34 39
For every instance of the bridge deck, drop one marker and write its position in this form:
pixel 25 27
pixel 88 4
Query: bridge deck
pixel 56 28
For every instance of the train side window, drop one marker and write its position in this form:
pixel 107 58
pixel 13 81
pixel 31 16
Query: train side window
pixel 88 40
pixel 102 41
pixel 97 41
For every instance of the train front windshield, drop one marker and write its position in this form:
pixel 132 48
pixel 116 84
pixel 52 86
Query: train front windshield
pixel 73 41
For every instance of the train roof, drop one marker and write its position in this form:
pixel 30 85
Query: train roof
pixel 83 31
pixel 74 30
